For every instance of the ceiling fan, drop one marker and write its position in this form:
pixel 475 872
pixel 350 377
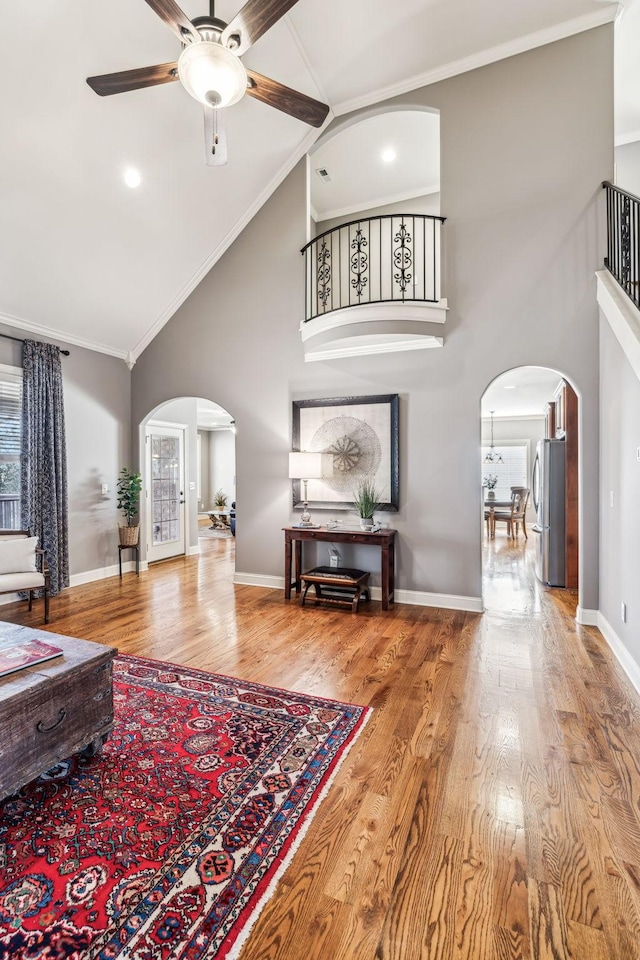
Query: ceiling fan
pixel 210 68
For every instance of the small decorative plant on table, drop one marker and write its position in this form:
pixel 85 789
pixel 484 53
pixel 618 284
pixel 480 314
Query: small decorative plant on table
pixel 490 482
pixel 129 487
pixel 220 500
pixel 366 501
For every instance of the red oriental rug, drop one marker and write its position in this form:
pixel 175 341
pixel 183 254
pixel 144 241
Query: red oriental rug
pixel 167 844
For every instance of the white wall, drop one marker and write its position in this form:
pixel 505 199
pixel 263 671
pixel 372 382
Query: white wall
pixel 528 429
pixel 222 464
pixel 628 167
pixel 204 503
pixel 620 477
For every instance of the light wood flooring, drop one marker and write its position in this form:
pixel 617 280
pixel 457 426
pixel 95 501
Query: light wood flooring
pixel 491 807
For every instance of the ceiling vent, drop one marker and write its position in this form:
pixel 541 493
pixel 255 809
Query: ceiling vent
pixel 323 173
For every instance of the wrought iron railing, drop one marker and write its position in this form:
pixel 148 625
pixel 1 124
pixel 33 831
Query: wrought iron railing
pixel 623 234
pixel 393 258
pixel 9 511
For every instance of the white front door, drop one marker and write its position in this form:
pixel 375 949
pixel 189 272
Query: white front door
pixel 165 493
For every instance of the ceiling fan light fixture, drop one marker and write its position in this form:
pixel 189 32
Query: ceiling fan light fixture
pixel 212 74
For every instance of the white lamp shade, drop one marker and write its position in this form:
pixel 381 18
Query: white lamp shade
pixel 212 74
pixel 304 465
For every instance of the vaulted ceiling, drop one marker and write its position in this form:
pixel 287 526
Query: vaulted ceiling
pixel 85 258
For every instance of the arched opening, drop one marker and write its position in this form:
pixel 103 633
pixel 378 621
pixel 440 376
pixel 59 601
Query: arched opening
pixel 187 462
pixel 530 475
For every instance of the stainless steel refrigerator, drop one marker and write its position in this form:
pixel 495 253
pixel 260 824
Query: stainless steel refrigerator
pixel 548 490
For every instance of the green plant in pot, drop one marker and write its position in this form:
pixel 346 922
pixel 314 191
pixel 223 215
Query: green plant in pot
pixel 366 500
pixel 129 487
pixel 220 500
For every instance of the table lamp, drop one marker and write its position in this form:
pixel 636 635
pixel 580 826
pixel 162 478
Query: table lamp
pixel 305 466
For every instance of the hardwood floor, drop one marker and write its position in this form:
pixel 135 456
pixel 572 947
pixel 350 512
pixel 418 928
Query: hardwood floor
pixel 490 808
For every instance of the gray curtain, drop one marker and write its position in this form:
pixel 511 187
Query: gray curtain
pixel 43 502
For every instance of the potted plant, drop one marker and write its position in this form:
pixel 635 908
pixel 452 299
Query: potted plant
pixel 366 501
pixel 220 500
pixel 129 486
pixel 489 482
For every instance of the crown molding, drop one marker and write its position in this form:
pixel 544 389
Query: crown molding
pixel 385 201
pixel 228 239
pixel 61 336
pixel 482 59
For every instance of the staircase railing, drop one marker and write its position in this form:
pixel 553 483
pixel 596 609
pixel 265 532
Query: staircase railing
pixel 623 234
pixel 392 258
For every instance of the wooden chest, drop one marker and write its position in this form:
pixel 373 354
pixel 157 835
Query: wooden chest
pixel 54 709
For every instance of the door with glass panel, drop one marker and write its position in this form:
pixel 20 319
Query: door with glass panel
pixel 165 492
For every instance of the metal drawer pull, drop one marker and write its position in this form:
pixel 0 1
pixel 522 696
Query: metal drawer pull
pixel 40 727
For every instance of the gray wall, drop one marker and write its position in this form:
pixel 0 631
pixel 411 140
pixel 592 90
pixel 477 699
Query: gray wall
pixel 620 474
pixel 628 167
pixel 525 145
pixel 97 402
pixel 428 205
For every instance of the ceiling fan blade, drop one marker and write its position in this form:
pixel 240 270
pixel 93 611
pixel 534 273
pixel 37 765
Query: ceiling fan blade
pixel 283 98
pixel 215 137
pixel 126 80
pixel 255 18
pixel 170 12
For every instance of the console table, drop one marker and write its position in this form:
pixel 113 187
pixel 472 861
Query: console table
pixel 385 539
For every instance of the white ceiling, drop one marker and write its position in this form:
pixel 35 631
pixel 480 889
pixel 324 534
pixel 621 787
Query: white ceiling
pixel 86 259
pixel 361 178
pixel 211 416
pixel 522 392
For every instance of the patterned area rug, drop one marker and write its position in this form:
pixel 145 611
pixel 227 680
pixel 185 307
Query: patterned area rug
pixel 167 844
pixel 218 534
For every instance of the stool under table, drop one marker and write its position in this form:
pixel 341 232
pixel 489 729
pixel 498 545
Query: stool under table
pixel 346 586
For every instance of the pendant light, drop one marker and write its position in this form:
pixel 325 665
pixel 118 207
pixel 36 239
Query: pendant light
pixel 492 456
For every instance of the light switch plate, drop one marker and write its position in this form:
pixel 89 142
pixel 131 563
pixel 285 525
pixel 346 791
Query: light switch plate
pixel 192 485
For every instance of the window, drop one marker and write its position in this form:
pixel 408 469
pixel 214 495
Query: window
pixel 512 473
pixel 10 445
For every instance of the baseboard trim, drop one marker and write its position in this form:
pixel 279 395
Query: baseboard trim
pixel 258 580
pixel 588 618
pixel 419 598
pixel 103 573
pixel 447 601
pixel 622 655
pixel 193 551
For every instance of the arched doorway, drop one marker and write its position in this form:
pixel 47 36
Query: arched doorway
pixel 529 438
pixel 182 471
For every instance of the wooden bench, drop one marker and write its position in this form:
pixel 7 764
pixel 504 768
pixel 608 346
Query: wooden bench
pixel 346 586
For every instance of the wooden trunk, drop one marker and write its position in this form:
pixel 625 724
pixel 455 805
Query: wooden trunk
pixel 54 709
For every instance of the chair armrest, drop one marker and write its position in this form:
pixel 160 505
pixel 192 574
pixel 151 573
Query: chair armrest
pixel 43 553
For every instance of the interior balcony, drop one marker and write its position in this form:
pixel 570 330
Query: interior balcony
pixel 373 286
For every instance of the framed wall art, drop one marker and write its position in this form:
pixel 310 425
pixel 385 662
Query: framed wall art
pixel 360 434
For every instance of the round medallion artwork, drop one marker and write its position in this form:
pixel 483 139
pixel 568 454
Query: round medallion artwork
pixel 356 451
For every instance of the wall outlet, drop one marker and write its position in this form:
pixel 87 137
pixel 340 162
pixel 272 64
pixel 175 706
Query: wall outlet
pixel 623 612
pixel 334 557
pixel 105 488
pixel 192 485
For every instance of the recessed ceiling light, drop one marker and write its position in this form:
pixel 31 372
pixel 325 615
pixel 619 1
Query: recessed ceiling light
pixel 132 177
pixel 389 155
pixel 510 386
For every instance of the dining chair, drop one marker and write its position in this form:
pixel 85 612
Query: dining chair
pixel 515 515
